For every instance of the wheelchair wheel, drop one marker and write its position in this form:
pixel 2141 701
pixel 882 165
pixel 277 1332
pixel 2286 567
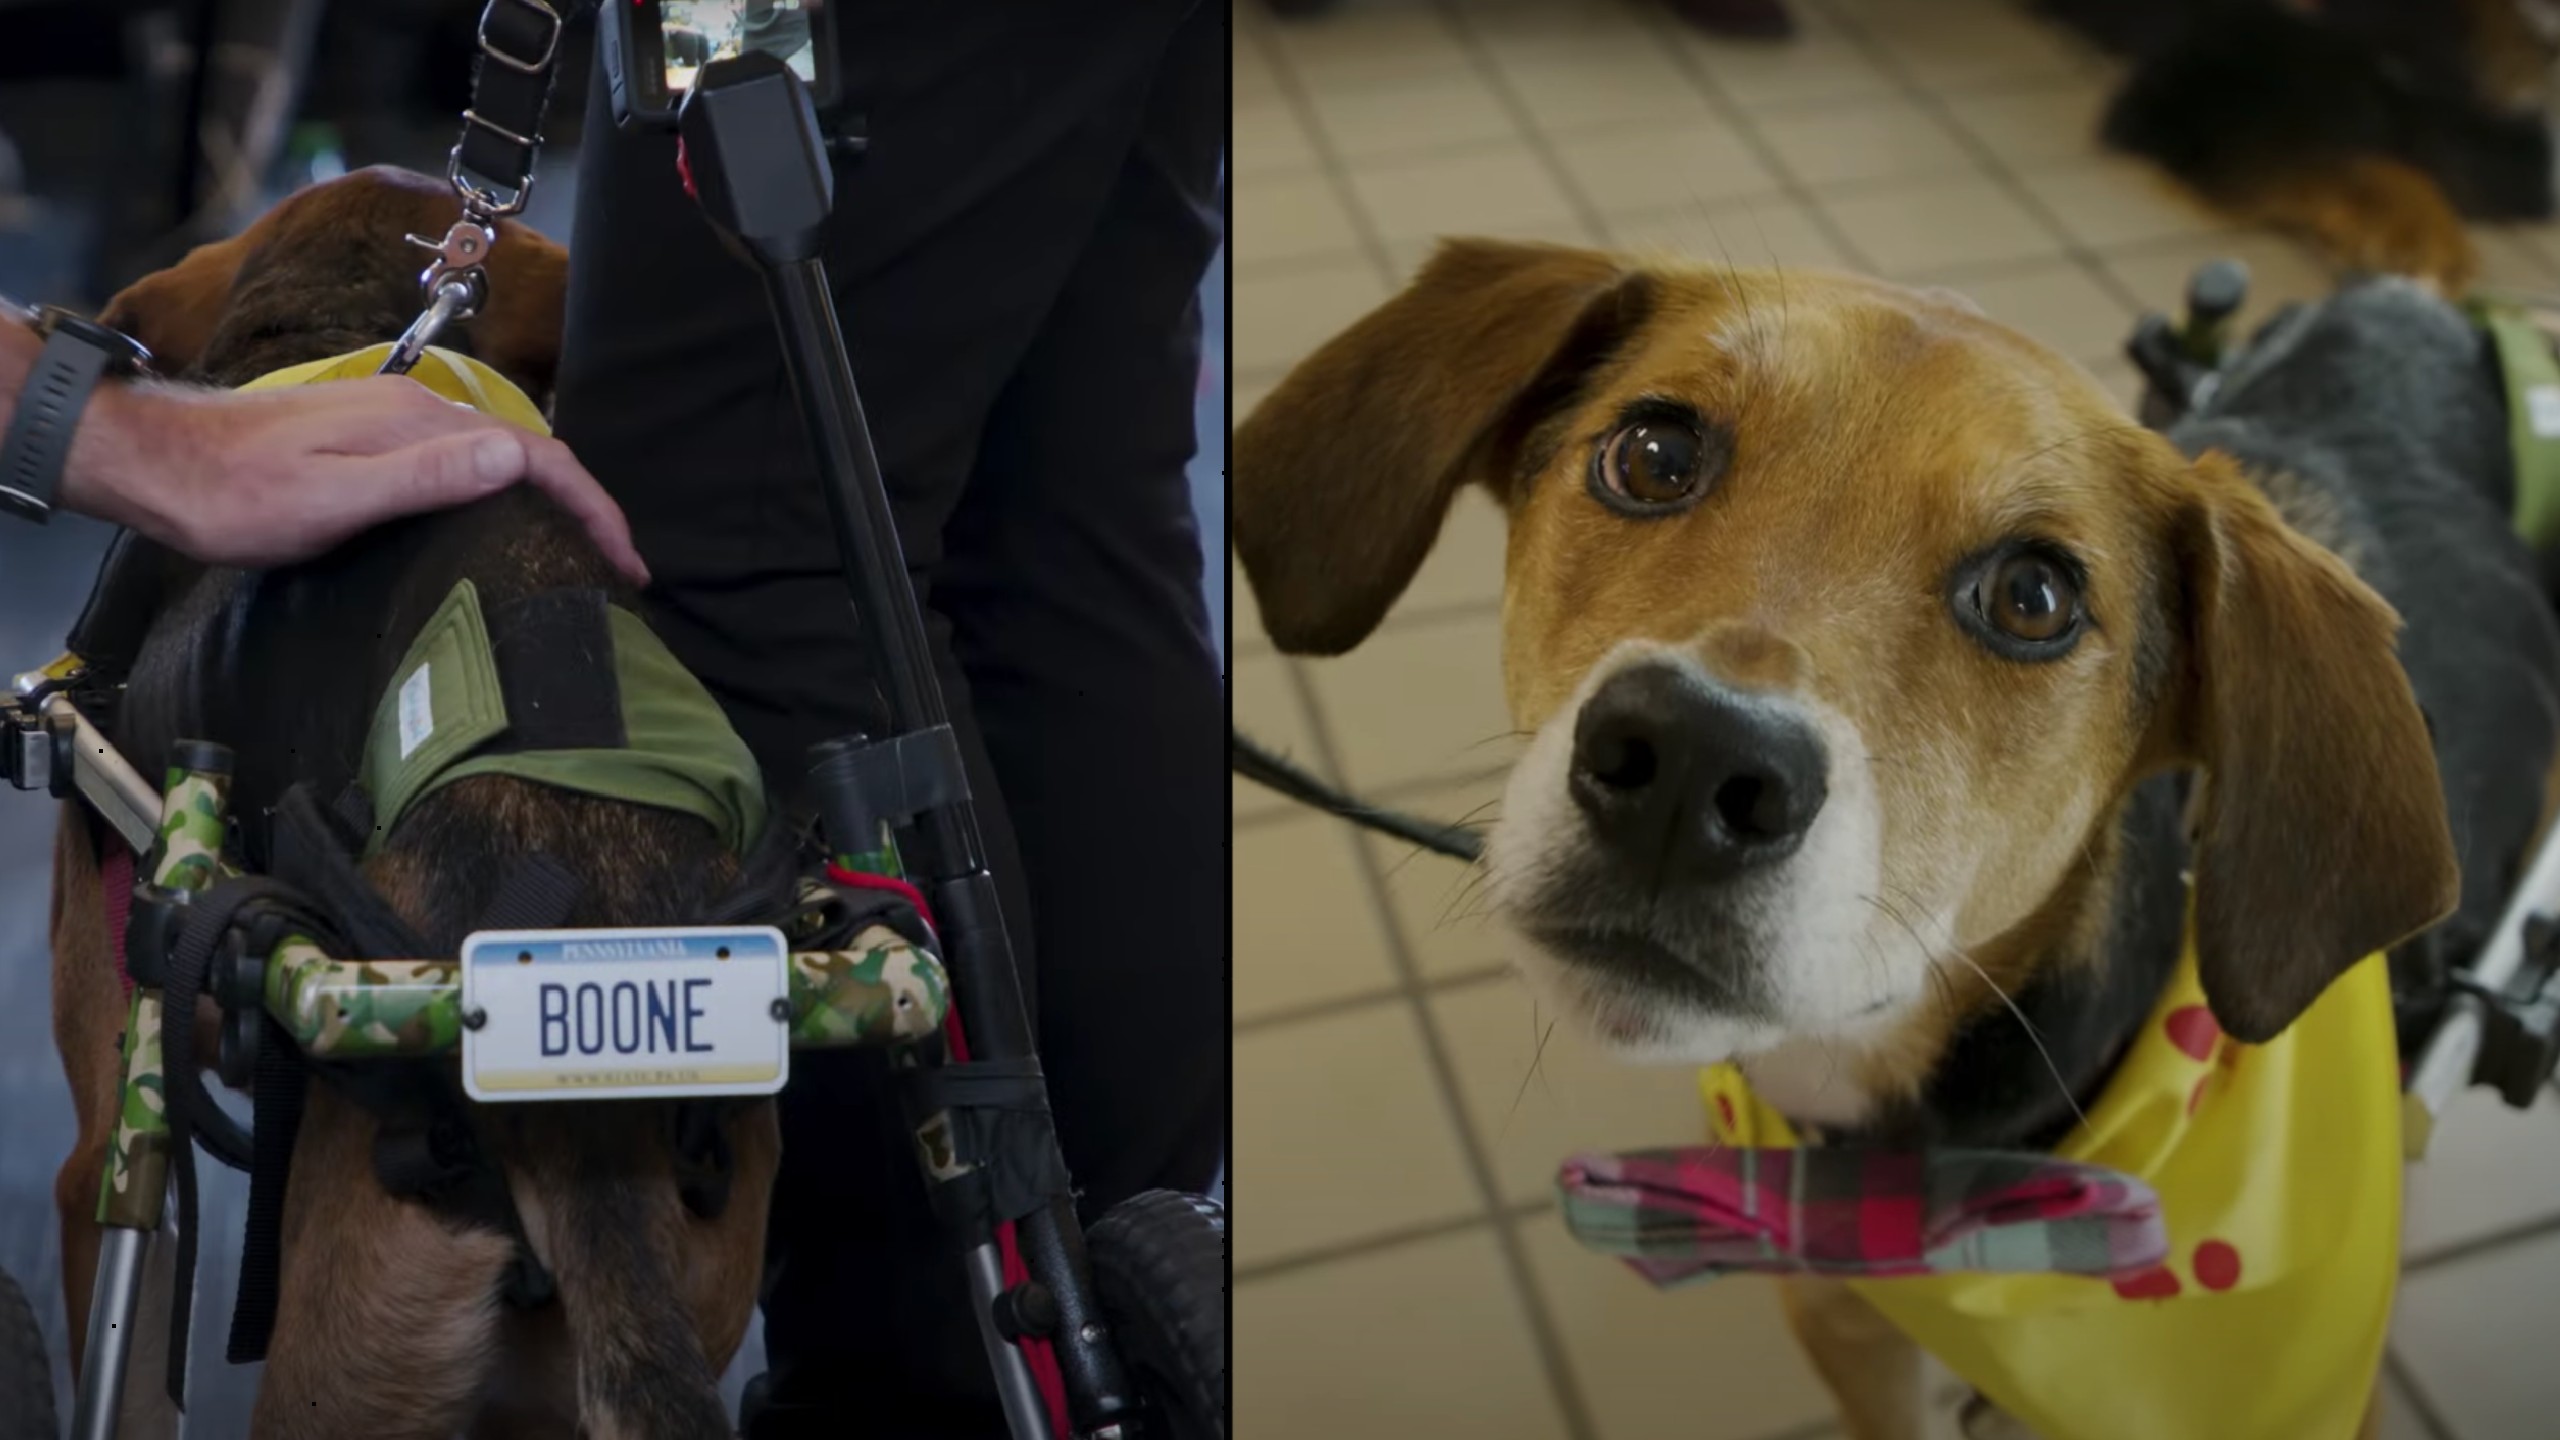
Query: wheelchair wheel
pixel 1160 1267
pixel 26 1370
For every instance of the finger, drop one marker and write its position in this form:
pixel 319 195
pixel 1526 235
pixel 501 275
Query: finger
pixel 557 473
pixel 373 416
pixel 430 475
pixel 321 500
pixel 390 412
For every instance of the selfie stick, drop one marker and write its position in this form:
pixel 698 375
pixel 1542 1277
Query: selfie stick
pixel 755 159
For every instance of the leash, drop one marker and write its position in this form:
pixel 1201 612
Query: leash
pixel 1268 770
pixel 490 167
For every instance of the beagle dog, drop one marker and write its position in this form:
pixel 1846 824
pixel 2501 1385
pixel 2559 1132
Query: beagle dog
pixel 1901 713
pixel 390 1320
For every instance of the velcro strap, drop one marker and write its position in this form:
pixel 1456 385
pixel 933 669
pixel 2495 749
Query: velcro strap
pixel 1001 1135
pixel 555 669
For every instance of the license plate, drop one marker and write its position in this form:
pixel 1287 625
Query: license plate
pixel 625 1014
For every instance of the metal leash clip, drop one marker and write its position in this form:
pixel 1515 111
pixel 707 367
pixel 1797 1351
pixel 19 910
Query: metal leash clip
pixel 456 286
pixel 456 283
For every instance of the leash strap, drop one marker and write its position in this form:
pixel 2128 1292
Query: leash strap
pixel 1271 772
pixel 491 165
pixel 202 925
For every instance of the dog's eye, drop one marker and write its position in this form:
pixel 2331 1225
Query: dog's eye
pixel 2028 597
pixel 1656 463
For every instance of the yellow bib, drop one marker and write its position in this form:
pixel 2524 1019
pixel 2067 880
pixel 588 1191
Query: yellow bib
pixel 458 378
pixel 2278 1170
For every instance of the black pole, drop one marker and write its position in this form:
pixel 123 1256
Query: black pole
pixel 769 197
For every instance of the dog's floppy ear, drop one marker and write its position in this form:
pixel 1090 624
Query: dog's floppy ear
pixel 173 312
pixel 518 335
pixel 1342 476
pixel 2323 835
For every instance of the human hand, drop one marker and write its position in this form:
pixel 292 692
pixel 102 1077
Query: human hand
pixel 267 478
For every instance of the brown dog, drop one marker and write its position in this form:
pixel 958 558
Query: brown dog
pixel 1851 627
pixel 390 1321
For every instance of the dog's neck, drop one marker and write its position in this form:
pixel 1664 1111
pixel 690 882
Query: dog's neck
pixel 284 314
pixel 2097 956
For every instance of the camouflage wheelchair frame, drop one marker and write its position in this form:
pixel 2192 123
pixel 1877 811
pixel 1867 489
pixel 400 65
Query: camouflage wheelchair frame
pixel 879 990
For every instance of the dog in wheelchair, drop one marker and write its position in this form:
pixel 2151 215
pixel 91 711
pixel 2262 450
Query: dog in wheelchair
pixel 601 1285
pixel 1959 770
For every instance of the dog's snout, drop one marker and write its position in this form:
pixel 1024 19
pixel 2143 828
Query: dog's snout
pixel 1682 774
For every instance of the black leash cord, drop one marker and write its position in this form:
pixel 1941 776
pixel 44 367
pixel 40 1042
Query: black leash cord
pixel 1271 772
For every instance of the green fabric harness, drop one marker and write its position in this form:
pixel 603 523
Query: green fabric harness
pixel 445 703
pixel 2532 377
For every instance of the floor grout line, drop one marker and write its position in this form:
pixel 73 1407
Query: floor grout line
pixel 1744 123
pixel 2398 1373
pixel 1853 28
pixel 1293 92
pixel 1363 1248
pixel 1533 136
pixel 1313 1011
pixel 1369 1246
pixel 1562 1382
pixel 2479 1245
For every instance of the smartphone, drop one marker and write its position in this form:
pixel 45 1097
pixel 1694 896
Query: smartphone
pixel 654 48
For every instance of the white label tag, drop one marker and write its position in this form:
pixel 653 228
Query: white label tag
pixel 625 1014
pixel 417 711
pixel 2542 409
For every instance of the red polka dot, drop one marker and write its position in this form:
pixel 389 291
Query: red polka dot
pixel 1724 1112
pixel 2195 1097
pixel 2217 1265
pixel 2157 1283
pixel 2192 1030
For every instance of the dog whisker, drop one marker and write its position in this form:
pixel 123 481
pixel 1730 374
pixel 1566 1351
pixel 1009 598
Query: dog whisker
pixel 2035 1037
pixel 1536 1059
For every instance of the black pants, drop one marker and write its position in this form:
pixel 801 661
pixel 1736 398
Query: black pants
pixel 1016 261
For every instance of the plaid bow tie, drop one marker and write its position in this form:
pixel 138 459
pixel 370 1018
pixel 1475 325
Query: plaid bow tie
pixel 1682 1215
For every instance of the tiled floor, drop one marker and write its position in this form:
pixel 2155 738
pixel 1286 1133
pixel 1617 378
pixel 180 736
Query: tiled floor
pixel 1401 1272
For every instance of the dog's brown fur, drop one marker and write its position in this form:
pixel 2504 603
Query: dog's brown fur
pixel 1878 436
pixel 2364 214
pixel 390 1323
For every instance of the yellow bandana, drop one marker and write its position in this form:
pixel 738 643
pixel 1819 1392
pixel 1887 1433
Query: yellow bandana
pixel 458 378
pixel 2278 1170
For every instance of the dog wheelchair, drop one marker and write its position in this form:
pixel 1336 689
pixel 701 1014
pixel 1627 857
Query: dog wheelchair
pixel 895 941
pixel 2499 1026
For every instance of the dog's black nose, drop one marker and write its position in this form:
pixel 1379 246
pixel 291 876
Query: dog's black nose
pixel 1693 780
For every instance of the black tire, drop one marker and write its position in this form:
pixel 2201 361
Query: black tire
pixel 1160 1268
pixel 26 1369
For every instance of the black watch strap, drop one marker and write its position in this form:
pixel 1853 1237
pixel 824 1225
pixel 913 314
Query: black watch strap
pixel 77 353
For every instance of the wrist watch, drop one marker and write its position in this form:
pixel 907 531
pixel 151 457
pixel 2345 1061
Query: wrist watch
pixel 78 352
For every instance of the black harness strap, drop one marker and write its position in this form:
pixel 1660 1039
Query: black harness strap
pixel 428 1147
pixel 276 1095
pixel 201 927
pixel 1000 1121
pixel 510 92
